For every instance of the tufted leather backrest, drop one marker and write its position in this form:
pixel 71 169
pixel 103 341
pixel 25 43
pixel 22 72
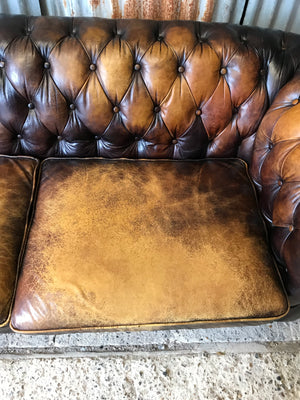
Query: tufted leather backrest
pixel 276 173
pixel 137 89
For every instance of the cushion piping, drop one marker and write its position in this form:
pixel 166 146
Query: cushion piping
pixel 155 325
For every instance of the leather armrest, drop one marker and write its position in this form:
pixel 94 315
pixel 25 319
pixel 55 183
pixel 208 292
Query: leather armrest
pixel 275 170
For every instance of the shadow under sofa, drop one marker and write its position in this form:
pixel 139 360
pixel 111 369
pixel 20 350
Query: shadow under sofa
pixel 149 174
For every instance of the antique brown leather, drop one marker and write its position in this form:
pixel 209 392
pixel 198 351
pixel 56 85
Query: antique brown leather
pixel 16 187
pixel 276 172
pixel 129 88
pixel 90 87
pixel 121 244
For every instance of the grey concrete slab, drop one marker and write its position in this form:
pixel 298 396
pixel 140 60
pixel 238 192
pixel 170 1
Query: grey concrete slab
pixel 276 336
pixel 153 376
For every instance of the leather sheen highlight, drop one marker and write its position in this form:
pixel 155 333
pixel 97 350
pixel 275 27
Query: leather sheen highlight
pixel 173 90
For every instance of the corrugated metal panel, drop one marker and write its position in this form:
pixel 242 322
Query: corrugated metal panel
pixel 277 14
pixel 293 24
pixel 123 8
pixel 228 11
pixel 204 10
pixel 75 8
pixel 29 7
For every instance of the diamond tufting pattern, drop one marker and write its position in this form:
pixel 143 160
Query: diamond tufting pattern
pixel 276 171
pixel 136 89
pixel 86 87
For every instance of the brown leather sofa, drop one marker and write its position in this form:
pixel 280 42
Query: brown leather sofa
pixel 126 201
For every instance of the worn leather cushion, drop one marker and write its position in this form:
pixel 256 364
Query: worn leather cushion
pixel 124 244
pixel 16 187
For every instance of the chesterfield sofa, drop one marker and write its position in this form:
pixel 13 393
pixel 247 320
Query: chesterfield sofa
pixel 150 174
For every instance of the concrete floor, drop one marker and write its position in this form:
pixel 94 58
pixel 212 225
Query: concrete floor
pixel 255 376
pixel 251 362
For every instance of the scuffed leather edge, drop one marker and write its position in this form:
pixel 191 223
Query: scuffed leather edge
pixel 25 232
pixel 165 325
pixel 156 326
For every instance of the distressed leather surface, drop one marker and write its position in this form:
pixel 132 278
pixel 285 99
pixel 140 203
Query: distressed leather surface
pixel 276 172
pixel 124 244
pixel 85 87
pixel 16 186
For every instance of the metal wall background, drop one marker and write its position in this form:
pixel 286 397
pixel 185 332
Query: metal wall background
pixel 204 10
pixel 277 14
pixel 29 7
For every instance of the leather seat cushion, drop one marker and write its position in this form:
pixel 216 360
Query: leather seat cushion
pixel 16 190
pixel 121 244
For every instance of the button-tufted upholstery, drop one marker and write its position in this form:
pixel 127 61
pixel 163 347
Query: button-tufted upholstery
pixel 90 87
pixel 276 172
pixel 137 89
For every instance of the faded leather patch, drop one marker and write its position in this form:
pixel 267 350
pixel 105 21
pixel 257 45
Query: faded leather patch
pixel 135 243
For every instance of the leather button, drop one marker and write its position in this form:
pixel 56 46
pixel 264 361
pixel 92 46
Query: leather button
pixel 181 69
pixel 262 72
pixel 270 145
pixel 160 38
pixel 2 64
pixel 279 182
pixel 30 106
pixel 174 141
pixel 137 67
pixel 93 67
pixel 19 136
pixel 116 109
pixel 59 137
pixel 137 138
pixel 72 106
pixel 96 137
pixel 46 65
pixel 198 112
pixel 223 71
pixel 295 102
pixel 156 109
pixel 291 228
